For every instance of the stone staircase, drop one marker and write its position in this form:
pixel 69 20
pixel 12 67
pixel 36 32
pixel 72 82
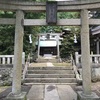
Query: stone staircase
pixel 50 75
pixel 47 60
pixel 44 59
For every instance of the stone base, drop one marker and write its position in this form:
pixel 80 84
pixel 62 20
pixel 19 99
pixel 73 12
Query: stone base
pixel 82 96
pixel 21 96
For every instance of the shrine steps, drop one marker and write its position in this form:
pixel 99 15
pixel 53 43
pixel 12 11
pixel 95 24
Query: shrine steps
pixel 50 75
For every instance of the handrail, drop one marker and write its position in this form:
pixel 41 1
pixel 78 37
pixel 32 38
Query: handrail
pixel 78 76
pixel 26 66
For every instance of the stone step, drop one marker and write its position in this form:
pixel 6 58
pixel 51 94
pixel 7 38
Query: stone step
pixel 71 84
pixel 50 72
pixel 50 68
pixel 50 75
pixel 47 60
pixel 50 80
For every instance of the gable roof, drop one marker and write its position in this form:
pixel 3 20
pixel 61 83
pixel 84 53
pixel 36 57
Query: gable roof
pixel 95 30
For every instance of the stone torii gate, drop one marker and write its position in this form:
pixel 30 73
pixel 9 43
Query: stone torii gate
pixel 20 7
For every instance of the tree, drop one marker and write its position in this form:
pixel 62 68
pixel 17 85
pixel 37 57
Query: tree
pixel 7 34
pixel 7 46
pixel 68 44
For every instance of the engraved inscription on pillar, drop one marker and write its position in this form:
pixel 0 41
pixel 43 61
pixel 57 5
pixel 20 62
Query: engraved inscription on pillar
pixel 51 12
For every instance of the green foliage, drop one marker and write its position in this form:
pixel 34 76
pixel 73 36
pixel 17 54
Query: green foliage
pixel 37 0
pixel 7 14
pixel 68 15
pixel 6 39
pixel 7 33
pixel 68 45
pixel 35 15
pixel 27 47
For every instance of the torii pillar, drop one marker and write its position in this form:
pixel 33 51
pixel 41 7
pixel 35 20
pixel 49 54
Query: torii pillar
pixel 58 55
pixel 86 94
pixel 16 93
pixel 39 46
pixel 98 45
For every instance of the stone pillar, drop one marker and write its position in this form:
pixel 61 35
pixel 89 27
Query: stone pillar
pixel 57 39
pixel 85 49
pixel 76 58
pixel 86 94
pixel 98 51
pixel 38 46
pixel 19 32
pixel 23 58
pixel 17 69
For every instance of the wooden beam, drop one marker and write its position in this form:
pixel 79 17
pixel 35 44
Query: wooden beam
pixel 7 21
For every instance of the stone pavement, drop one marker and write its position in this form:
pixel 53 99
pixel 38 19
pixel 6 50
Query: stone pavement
pixel 51 92
pixel 49 64
pixel 58 92
pixel 94 86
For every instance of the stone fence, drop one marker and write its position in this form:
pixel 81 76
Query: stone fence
pixel 9 59
pixel 95 65
pixel 94 58
pixel 6 68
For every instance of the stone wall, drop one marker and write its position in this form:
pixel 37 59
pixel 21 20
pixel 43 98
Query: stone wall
pixel 95 73
pixel 6 74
